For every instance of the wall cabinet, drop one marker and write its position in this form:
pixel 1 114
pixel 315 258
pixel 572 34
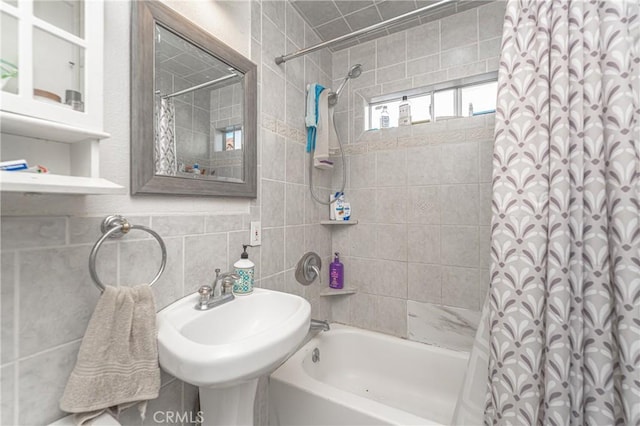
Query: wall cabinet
pixel 52 94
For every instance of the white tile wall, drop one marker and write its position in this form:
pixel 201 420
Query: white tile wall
pixel 423 208
pixel 422 193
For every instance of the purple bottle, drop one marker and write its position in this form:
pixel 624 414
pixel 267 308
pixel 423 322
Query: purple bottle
pixel 336 273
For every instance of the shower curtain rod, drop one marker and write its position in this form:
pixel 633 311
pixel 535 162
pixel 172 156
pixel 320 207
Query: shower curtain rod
pixel 200 86
pixel 284 58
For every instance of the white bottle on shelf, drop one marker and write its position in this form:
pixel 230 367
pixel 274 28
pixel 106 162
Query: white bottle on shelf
pixel 384 118
pixel 404 113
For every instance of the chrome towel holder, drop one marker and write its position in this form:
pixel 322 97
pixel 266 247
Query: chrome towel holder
pixel 115 226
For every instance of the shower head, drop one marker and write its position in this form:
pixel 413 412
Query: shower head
pixel 354 72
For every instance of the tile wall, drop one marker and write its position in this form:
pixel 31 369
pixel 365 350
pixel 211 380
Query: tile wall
pixel 191 114
pixel 419 254
pixel 226 105
pixel 47 295
pixel 290 219
pixel 226 110
pixel 430 53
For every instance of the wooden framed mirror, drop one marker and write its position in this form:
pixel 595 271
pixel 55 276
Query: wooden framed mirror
pixel 193 109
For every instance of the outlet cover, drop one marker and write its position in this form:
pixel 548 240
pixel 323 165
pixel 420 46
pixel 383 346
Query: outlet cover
pixel 256 234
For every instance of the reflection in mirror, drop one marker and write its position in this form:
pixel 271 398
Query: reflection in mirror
pixel 199 112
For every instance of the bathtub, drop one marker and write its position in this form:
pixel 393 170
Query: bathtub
pixel 366 378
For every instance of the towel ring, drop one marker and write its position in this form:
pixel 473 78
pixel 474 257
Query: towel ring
pixel 116 226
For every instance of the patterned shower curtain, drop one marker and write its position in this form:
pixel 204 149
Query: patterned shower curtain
pixel 564 315
pixel 165 143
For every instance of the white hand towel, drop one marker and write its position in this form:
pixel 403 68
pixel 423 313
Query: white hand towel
pixel 321 157
pixel 334 147
pixel 117 364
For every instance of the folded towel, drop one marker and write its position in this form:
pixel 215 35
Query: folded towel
pixel 311 119
pixel 321 158
pixel 117 364
pixel 334 146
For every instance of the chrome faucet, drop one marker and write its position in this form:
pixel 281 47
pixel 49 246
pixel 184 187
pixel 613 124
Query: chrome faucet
pixel 210 296
pixel 316 271
pixel 318 325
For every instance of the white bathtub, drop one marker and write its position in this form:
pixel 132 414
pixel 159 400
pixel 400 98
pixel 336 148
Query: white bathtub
pixel 366 378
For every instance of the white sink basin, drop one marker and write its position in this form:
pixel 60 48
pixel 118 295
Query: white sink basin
pixel 231 343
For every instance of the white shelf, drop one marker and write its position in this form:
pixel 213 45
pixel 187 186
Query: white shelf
pixel 338 292
pixel 338 222
pixel 23 125
pixel 56 184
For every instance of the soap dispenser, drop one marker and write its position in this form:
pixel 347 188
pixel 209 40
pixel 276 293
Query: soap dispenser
pixel 336 273
pixel 245 269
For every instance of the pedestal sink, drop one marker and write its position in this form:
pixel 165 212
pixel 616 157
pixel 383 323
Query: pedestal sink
pixel 224 350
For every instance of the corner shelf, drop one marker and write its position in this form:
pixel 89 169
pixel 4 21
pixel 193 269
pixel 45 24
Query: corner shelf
pixel 338 292
pixel 56 184
pixel 338 222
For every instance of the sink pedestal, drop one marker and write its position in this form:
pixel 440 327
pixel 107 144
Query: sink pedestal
pixel 231 405
pixel 224 350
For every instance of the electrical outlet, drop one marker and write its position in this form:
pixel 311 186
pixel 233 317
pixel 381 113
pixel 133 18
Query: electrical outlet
pixel 256 234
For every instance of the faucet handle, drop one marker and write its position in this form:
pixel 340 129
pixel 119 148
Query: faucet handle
pixel 316 270
pixel 227 284
pixel 205 293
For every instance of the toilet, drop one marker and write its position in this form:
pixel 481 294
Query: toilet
pixel 102 420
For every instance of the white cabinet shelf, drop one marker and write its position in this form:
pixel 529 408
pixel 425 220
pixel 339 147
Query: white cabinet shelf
pixel 56 184
pixel 33 127
pixel 51 110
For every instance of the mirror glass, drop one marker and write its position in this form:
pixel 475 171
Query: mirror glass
pixel 199 107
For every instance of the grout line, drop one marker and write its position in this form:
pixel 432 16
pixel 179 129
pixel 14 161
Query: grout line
pixel 228 249
pixel 182 405
pixel 16 337
pixel 49 350
pixel 67 231
pixel 184 269
pixel 118 251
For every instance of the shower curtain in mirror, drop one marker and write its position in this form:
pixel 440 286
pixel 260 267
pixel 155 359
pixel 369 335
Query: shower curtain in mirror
pixel 165 143
pixel 564 316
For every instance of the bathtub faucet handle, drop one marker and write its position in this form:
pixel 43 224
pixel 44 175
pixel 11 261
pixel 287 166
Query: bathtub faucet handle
pixel 316 270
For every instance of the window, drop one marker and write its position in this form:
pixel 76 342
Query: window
pixel 460 98
pixel 227 139
pixel 478 98
pixel 444 103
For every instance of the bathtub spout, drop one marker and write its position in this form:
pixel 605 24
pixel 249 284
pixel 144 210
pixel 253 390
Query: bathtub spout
pixel 319 325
